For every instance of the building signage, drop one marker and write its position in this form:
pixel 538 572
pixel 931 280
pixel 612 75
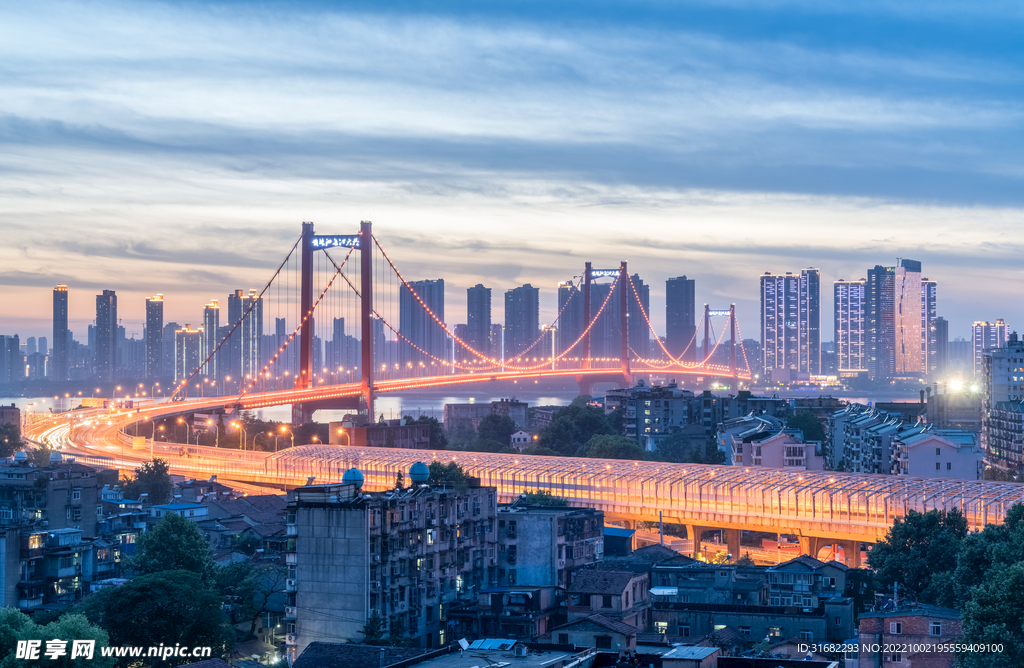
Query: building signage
pixel 717 312
pixel 334 240
pixel 601 273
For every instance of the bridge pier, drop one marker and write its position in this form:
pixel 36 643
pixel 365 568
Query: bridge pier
pixel 694 532
pixel 732 540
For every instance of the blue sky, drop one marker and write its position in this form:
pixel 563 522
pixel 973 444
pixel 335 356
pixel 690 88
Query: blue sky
pixel 175 147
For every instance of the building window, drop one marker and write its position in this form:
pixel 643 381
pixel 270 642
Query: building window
pixel 661 627
pixel 563 638
pixel 606 601
pixel 684 630
pixel 745 630
pixel 937 466
pixel 774 632
pixel 6 514
pixel 896 628
pixel 603 642
pixel 936 628
pixel 949 466
pixel 76 494
pixel 897 657
pixel 938 452
pixel 806 634
pixel 838 621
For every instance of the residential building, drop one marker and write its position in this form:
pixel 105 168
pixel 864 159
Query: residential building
pixel 59 357
pixel 955 410
pixel 804 582
pixel 681 318
pixel 570 321
pixel 986 336
pixel 850 332
pixel 685 580
pixel 523 612
pixel 543 545
pixel 188 346
pixel 1003 392
pixel 650 413
pixel 468 416
pixel 421 312
pixel 938 453
pixel 940 332
pixel 478 319
pixel 245 347
pixel 154 336
pixel 598 631
pixel 190 511
pixel 790 325
pixel 619 595
pixel 400 433
pixel 907 311
pixel 892 629
pixel 785 448
pixel 211 326
pixel 929 340
pixel 106 333
pixel 407 555
pixel 522 323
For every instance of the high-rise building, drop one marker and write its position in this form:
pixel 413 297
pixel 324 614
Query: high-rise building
pixel 850 332
pixel 425 341
pixel 167 343
pixel 1002 409
pixel 880 320
pixel 30 345
pixel 59 359
pixel 909 337
pixel 570 319
pixel 791 323
pixel 681 318
pixel 638 315
pixel 211 325
pixel 522 322
pixel 929 351
pixel 986 336
pixel 940 335
pixel 106 335
pixel 154 336
pixel 246 343
pixel 188 344
pixel 478 320
pixel 42 346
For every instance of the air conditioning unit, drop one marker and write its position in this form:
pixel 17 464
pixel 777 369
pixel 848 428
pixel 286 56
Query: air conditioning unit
pixel 433 522
pixel 290 582
pixel 290 639
pixel 375 584
pixel 520 650
pixel 376 558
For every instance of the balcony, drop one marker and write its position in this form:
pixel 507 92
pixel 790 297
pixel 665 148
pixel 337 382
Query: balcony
pixel 291 558
pixel 292 530
pixel 289 612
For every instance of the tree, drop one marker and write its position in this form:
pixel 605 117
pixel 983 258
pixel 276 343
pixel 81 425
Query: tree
pixel 373 630
pixel 916 548
pixel 808 424
pixel 684 448
pixel 980 552
pixel 745 560
pixel 173 544
pixel 497 428
pixel 246 543
pixel 573 426
pixel 248 588
pixel 15 626
pixel 399 480
pixel 606 446
pixel 542 498
pixel 447 474
pixel 151 478
pixel 165 608
pixel 993 615
pixel 10 439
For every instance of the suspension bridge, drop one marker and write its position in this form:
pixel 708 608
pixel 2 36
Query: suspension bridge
pixel 404 344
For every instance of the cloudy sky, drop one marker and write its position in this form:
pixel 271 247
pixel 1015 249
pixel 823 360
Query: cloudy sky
pixel 176 147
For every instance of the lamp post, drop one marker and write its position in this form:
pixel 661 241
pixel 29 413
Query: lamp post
pixel 182 421
pixel 284 428
pixel 241 428
pixel 152 393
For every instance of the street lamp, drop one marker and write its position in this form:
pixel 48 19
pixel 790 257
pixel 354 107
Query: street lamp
pixel 217 443
pixel 241 428
pixel 284 428
pixel 182 421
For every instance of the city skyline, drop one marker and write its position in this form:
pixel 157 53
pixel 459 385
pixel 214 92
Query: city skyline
pixel 511 150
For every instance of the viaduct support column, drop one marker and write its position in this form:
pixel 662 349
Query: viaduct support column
pixel 624 288
pixel 810 545
pixel 694 532
pixel 851 551
pixel 366 314
pixel 732 540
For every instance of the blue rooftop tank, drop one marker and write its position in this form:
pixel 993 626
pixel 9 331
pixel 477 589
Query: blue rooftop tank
pixel 353 477
pixel 419 473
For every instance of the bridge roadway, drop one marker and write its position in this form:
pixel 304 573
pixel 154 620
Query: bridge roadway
pixel 821 508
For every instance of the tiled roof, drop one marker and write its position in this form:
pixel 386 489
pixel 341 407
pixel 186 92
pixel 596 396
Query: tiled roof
pixel 350 655
pixel 604 622
pixel 600 582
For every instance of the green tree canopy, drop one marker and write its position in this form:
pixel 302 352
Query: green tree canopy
pixel 10 439
pixel 916 549
pixel 447 474
pixel 248 588
pixel 573 426
pixel 993 615
pixel 683 448
pixel 15 626
pixel 808 424
pixel 151 478
pixel 497 428
pixel 607 446
pixel 175 543
pixel 167 608
pixel 542 498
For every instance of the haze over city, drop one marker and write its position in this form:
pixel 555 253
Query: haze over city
pixel 176 147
